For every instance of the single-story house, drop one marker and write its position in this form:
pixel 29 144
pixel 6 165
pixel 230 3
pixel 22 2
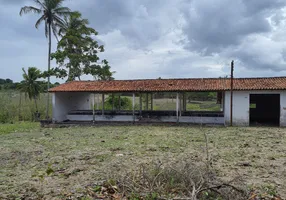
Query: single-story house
pixel 255 101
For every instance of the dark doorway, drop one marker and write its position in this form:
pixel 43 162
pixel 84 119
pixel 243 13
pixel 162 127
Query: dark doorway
pixel 264 109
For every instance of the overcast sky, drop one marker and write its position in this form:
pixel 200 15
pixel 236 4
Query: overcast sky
pixel 161 38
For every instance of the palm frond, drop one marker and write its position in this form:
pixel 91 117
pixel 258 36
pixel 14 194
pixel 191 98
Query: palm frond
pixel 28 9
pixel 40 21
pixel 59 22
pixel 46 29
pixel 40 3
pixel 55 30
pixel 62 9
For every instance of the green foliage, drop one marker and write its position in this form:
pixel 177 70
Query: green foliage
pixel 201 96
pixel 77 51
pixel 15 107
pixel 30 85
pixel 51 12
pixel 125 103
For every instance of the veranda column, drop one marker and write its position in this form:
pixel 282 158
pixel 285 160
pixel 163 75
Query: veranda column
pixel 112 101
pixel 133 107
pixel 140 102
pixel 184 102
pixel 93 108
pixel 119 102
pixel 177 106
pixel 147 101
pixel 103 104
pixel 152 101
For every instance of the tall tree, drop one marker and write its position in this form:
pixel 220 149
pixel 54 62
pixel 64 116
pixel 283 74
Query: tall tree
pixel 77 52
pixel 52 13
pixel 30 85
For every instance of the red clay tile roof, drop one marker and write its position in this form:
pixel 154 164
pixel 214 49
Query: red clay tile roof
pixel 173 85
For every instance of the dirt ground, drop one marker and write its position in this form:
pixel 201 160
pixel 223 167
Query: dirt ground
pixel 51 163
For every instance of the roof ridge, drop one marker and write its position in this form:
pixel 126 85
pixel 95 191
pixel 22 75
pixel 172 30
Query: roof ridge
pixel 210 78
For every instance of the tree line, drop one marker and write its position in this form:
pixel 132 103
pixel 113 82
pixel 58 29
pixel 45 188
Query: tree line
pixel 8 84
pixel 77 49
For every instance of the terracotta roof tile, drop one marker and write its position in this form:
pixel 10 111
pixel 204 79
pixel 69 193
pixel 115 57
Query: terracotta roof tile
pixel 160 85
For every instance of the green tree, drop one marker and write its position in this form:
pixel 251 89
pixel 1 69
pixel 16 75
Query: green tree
pixel 77 51
pixel 51 12
pixel 30 85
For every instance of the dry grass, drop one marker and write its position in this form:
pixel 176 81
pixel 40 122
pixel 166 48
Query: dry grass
pixel 56 163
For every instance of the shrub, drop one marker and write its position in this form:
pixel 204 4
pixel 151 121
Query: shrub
pixel 125 103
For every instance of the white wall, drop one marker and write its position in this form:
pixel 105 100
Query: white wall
pixel 64 102
pixel 241 106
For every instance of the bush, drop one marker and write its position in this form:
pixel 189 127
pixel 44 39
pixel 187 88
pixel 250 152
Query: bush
pixel 125 103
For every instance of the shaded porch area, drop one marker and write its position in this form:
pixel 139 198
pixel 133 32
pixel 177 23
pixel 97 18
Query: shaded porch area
pixel 150 107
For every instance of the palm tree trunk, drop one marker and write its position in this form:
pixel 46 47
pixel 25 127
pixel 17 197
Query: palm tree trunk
pixel 20 104
pixel 36 114
pixel 35 100
pixel 49 67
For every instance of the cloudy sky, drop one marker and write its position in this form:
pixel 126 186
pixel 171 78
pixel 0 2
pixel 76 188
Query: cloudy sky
pixel 161 38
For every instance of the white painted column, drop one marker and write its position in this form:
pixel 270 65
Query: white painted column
pixel 112 101
pixel 151 101
pixel 184 102
pixel 133 107
pixel 140 102
pixel 54 108
pixel 102 104
pixel 93 108
pixel 97 102
pixel 119 102
pixel 177 106
pixel 147 101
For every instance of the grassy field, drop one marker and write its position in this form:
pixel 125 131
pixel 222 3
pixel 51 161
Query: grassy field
pixel 15 107
pixel 59 163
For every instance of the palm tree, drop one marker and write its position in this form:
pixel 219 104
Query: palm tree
pixel 51 12
pixel 30 85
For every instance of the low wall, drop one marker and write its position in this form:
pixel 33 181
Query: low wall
pixel 130 118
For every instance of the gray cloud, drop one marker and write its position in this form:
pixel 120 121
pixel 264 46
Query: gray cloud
pixel 148 39
pixel 212 26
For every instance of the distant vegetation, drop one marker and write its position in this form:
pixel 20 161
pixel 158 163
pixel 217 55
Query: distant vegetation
pixel 77 49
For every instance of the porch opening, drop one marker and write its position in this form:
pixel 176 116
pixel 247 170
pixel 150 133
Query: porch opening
pixel 264 109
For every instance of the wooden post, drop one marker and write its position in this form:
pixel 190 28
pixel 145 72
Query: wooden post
pixel 102 104
pixel 93 108
pixel 177 106
pixel 133 107
pixel 231 92
pixel 152 101
pixel 112 101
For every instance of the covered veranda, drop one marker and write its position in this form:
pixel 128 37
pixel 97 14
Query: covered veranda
pixel 101 101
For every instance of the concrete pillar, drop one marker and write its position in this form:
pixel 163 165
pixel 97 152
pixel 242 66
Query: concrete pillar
pixel 93 108
pixel 184 102
pixel 119 102
pixel 177 106
pixel 140 102
pixel 102 104
pixel 147 101
pixel 151 101
pixel 112 101
pixel 133 107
